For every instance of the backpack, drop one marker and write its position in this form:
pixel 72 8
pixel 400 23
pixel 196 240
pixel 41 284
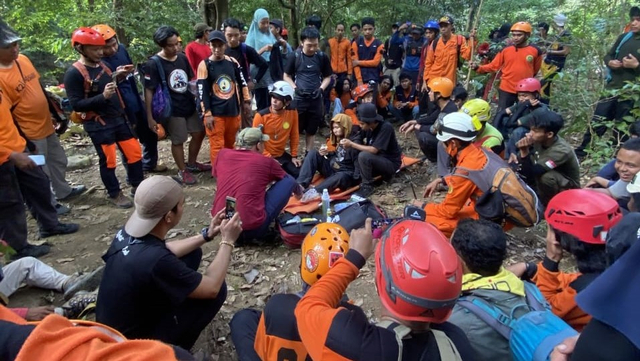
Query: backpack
pixel 81 117
pixel 446 347
pixel 505 195
pixel 459 42
pixel 161 100
pixel 243 51
pixel 354 215
pixel 294 227
pixel 533 335
pixel 624 39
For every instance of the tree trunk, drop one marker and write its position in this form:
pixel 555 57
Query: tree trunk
pixel 214 12
pixel 118 9
pixel 294 37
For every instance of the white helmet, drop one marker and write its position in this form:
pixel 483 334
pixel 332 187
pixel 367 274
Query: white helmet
pixel 456 126
pixel 283 89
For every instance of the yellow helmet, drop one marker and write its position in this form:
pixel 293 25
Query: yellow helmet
pixel 479 110
pixel 325 244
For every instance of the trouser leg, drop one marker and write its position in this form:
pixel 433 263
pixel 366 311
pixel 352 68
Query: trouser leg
pixel 34 273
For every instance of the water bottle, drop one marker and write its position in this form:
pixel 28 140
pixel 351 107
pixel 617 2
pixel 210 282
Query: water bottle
pixel 326 205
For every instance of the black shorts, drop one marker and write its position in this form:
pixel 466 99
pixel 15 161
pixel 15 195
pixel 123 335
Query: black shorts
pixel 310 114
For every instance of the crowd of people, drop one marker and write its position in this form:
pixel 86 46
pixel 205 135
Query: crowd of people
pixel 499 170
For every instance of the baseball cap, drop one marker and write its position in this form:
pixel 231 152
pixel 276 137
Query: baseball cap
pixel 277 23
pixel 446 19
pixel 8 36
pixel 202 27
pixel 395 25
pixel 634 185
pixel 217 35
pixel 560 19
pixel 155 197
pixel 368 113
pixel 249 137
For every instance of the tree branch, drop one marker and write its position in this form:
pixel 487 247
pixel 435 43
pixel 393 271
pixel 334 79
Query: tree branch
pixel 286 6
pixel 346 3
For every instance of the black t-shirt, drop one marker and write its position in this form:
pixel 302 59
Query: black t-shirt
pixel 143 281
pixel 110 110
pixel 177 74
pixel 220 87
pixel 427 120
pixel 308 71
pixel 250 56
pixel 383 138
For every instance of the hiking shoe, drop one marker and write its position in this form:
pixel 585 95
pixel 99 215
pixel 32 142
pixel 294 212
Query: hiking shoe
pixel 75 191
pixel 86 282
pixel 121 201
pixel 32 251
pixel 77 305
pixel 186 177
pixel 159 168
pixel 198 167
pixel 365 190
pixel 61 228
pixel 61 209
pixel 310 195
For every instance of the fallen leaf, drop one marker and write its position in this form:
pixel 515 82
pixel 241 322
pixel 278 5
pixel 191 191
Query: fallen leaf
pixel 65 260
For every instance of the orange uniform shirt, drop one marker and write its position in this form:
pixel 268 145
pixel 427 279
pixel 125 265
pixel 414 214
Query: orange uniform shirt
pixel 282 127
pixel 10 139
pixel 341 56
pixel 25 93
pixel 371 63
pixel 515 64
pixel 443 62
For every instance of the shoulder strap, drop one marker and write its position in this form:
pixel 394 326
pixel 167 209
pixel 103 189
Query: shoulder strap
pixel 434 43
pixel 243 51
pixel 401 332
pixel 298 56
pixel 531 293
pixel 156 59
pixel 448 351
pixel 490 315
pixel 624 39
pixel 85 74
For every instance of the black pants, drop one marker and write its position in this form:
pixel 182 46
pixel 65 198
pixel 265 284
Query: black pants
pixel 287 164
pixel 333 179
pixel 148 139
pixel 506 99
pixel 372 165
pixel 18 186
pixel 243 333
pixel 428 144
pixel 182 325
pixel 607 109
pixel 262 98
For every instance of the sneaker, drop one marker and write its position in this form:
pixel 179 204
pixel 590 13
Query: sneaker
pixel 75 191
pixel 186 177
pixel 121 201
pixel 365 191
pixel 32 251
pixel 61 228
pixel 80 304
pixel 61 209
pixel 86 282
pixel 159 168
pixel 198 167
pixel 310 195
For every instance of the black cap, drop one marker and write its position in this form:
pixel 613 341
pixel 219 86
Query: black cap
pixel 446 19
pixel 395 25
pixel 368 113
pixel 217 35
pixel 277 23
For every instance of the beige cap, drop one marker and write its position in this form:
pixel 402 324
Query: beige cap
pixel 155 197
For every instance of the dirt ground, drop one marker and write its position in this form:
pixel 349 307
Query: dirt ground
pixel 277 267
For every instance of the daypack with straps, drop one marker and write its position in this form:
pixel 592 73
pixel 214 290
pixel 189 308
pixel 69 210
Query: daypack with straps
pixel 81 117
pixel 161 100
pixel 459 42
pixel 447 349
pixel 531 336
pixel 624 39
pixel 505 195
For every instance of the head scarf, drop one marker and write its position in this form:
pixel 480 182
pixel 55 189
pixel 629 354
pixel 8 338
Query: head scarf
pixel 345 123
pixel 256 38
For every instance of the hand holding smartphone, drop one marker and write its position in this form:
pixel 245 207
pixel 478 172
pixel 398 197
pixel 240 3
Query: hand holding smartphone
pixel 230 207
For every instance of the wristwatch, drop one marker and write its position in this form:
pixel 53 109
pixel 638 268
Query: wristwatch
pixel 205 234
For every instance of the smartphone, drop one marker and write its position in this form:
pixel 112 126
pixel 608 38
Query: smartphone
pixel 38 159
pixel 230 207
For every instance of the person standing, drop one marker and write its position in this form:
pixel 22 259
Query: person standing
pixel 367 54
pixel 622 66
pixel 30 111
pixel 308 71
pixel 199 49
pixel 260 38
pixel 557 50
pixel 114 55
pixel 184 120
pixel 518 61
pixel 445 51
pixel 341 54
pixel 393 56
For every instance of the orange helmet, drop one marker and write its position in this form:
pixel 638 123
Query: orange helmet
pixel 322 247
pixel 360 91
pixel 86 36
pixel 523 26
pixel 105 30
pixel 441 85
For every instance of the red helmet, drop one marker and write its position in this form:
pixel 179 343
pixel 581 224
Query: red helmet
pixel 583 214
pixel 530 85
pixel 86 36
pixel 360 91
pixel 418 273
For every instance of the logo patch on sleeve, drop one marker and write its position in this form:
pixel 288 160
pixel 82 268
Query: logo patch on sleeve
pixel 550 164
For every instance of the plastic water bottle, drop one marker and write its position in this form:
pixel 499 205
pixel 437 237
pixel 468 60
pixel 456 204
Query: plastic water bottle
pixel 326 205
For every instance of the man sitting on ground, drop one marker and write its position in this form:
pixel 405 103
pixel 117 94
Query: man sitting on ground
pixel 151 288
pixel 380 153
pixel 244 173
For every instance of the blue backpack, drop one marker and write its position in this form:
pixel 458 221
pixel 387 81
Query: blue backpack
pixel 532 336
